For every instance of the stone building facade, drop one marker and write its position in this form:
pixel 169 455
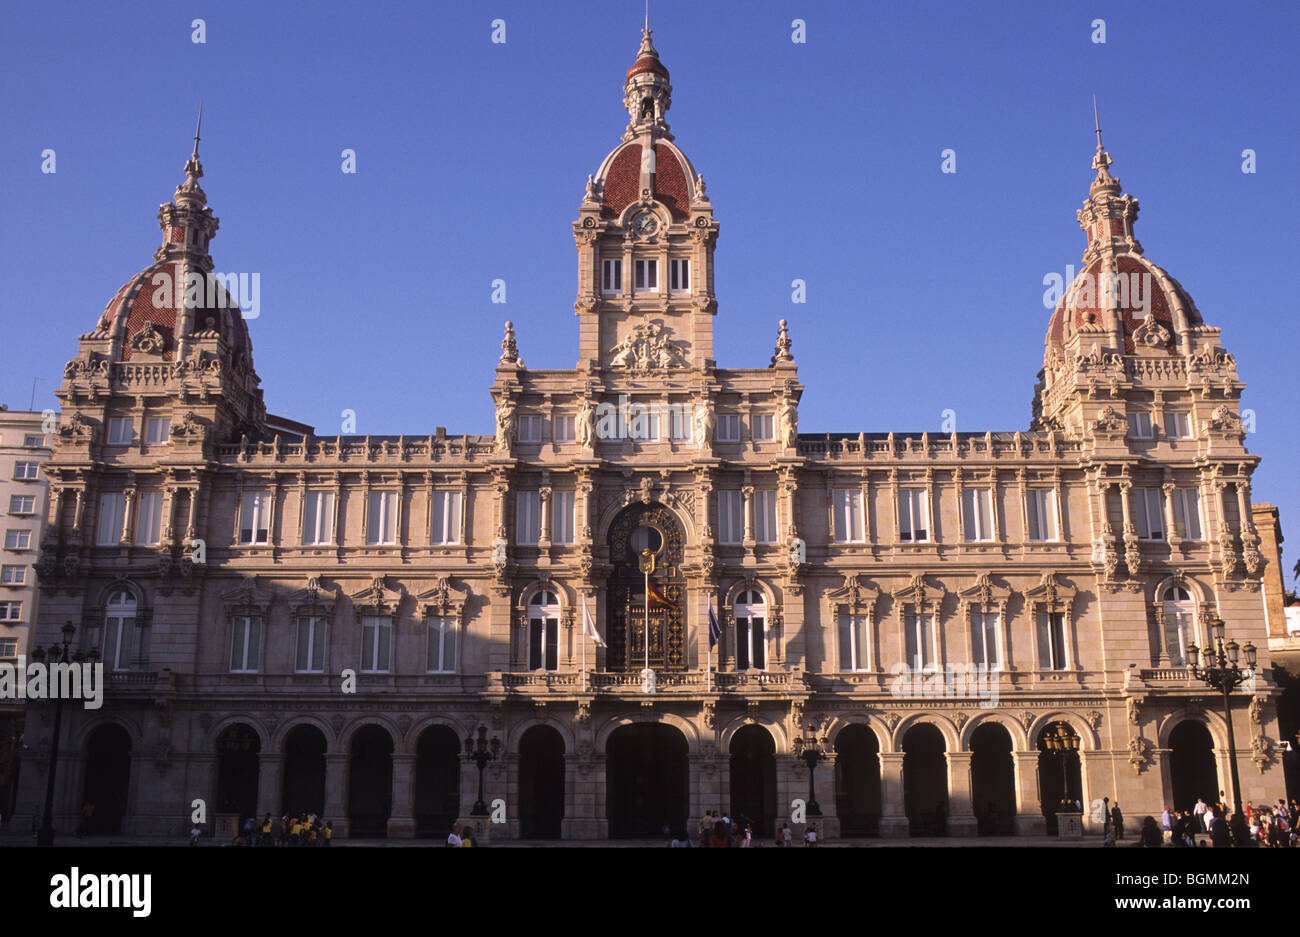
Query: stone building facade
pixel 296 622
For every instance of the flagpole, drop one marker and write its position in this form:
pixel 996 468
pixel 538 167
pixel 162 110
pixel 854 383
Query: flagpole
pixel 647 618
pixel 585 637
pixel 708 674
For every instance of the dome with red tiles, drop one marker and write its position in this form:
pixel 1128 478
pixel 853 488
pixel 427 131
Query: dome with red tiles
pixel 619 179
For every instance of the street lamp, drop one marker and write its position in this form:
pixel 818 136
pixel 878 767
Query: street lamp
pixel 1061 741
pixel 647 563
pixel 57 655
pixel 811 750
pixel 480 751
pixel 1222 673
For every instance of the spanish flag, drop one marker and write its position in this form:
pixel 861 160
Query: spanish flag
pixel 658 600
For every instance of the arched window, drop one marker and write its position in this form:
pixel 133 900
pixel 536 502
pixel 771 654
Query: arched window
pixel 119 623
pixel 750 612
pixel 543 631
pixel 1180 623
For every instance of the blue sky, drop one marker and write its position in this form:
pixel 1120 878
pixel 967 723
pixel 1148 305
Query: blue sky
pixel 823 163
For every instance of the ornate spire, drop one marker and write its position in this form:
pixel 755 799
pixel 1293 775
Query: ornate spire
pixel 1107 216
pixel 647 95
pixel 783 344
pixel 509 349
pixel 187 222
pixel 1101 161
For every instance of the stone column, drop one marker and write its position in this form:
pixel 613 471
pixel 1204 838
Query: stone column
pixel 401 818
pixel 544 517
pixel 893 817
pixel 270 766
pixel 1029 811
pixel 336 781
pixel 961 813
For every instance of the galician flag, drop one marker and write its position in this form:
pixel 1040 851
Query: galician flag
pixel 589 626
pixel 715 630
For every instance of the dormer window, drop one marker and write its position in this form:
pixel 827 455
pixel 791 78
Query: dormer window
pixel 647 276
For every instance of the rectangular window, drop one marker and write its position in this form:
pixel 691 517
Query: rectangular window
pixel 565 428
pixel 728 427
pixel 318 517
pixel 254 517
pixel 528 517
pixel 761 427
pixel 919 638
pixel 731 516
pixel 1178 425
pixel 913 515
pixel 976 510
pixel 25 471
pixel 1041 504
pixel 646 279
pixel 643 421
pixel 381 518
pixel 22 504
pixel 1180 631
pixel 562 517
pixel 848 515
pixel 245 644
pixel 19 539
pixel 34 441
pixel 543 643
pixel 750 649
pixel 13 575
pixel 8 647
pixel 765 516
pixel 679 422
pixel 446 517
pixel 310 657
pixel 611 276
pixel 117 642
pixel 442 645
pixel 1187 513
pixel 376 635
pixel 679 275
pixel 156 429
pixel 530 428
pixel 1051 641
pixel 1139 425
pixel 853 642
pixel 112 512
pixel 11 611
pixel 1146 513
pixel 148 519
pixel 984 638
pixel 119 431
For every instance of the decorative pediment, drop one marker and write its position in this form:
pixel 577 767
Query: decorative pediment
pixel 443 600
pixel 1151 334
pixel 312 597
pixel 1051 593
pixel 921 594
pixel 249 597
pixel 985 593
pixel 856 595
pixel 648 348
pixel 149 341
pixel 378 596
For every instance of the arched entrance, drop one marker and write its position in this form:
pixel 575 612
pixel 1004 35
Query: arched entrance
pixel 857 781
pixel 925 780
pixel 753 778
pixel 437 781
pixel 993 779
pixel 108 777
pixel 647 774
pixel 641 527
pixel 370 782
pixel 304 772
pixel 237 751
pixel 1192 769
pixel 541 783
pixel 1060 776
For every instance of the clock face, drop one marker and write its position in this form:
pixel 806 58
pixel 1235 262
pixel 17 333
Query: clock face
pixel 645 223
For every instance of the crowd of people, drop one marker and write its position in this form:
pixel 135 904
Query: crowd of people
pixel 720 831
pixel 1272 825
pixel 305 830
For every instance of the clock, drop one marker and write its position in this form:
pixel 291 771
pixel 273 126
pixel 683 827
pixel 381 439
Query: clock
pixel 645 224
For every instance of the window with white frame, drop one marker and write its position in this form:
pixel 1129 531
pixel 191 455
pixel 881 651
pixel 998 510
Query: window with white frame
pixel 1178 424
pixel 918 639
pixel 679 275
pixel 913 515
pixel 1041 505
pixel 530 427
pixel 984 638
pixel 446 517
pixel 8 647
pixel 765 516
pixel 13 575
pixel 679 422
pixel 1147 515
pixel 1139 425
pixel 847 505
pixel 309 656
pixel 317 517
pixel 611 276
pixel 977 509
pixel 761 427
pixel 562 517
pixel 646 276
pixel 18 539
pixel 11 611
pixel 119 624
pixel 565 428
pixel 376 641
pixel 22 504
pixel 528 517
pixel 728 427
pixel 148 518
pixel 442 644
pixel 156 429
pixel 1180 623
pixel 26 471
pixel 543 631
pixel 245 643
pixel 1051 641
pixel 750 613
pixel 112 514
pixel 381 518
pixel 1187 513
pixel 731 516
pixel 34 441
pixel 853 641
pixel 643 421
pixel 254 517
pixel 120 432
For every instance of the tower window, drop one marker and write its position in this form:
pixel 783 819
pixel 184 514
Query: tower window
pixel 679 275
pixel 646 279
pixel 1139 425
pixel 611 273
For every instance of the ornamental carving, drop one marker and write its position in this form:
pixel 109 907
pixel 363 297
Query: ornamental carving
pixel 189 428
pixel 1138 754
pixel 1224 419
pixel 1261 751
pixel 149 341
pixel 1110 422
pixel 1151 334
pixel 648 349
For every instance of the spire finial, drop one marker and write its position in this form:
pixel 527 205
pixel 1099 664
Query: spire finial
pixel 647 16
pixel 1096 120
pixel 1101 159
pixel 197 128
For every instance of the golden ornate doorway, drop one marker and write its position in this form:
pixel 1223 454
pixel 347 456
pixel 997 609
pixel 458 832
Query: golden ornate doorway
pixel 646 527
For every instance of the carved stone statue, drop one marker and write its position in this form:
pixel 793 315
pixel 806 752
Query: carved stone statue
pixel 798 552
pixel 499 552
pixel 586 425
pixel 705 421
pixel 648 348
pixel 788 423
pixel 505 425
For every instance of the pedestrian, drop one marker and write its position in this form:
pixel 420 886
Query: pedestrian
pixel 1117 819
pixel 1105 815
pixel 1219 832
pixel 266 831
pixel 1151 834
pixel 195 833
pixel 706 827
pixel 810 838
pixel 453 838
pixel 468 840
pixel 328 833
pixel 787 836
pixel 1198 813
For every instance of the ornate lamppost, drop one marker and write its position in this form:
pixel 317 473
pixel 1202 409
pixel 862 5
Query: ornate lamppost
pixel 1222 673
pixel 1061 741
pixel 811 750
pixel 57 654
pixel 481 751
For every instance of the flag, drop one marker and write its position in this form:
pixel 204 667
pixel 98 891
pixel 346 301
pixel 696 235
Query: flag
pixel 658 600
pixel 589 626
pixel 715 630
